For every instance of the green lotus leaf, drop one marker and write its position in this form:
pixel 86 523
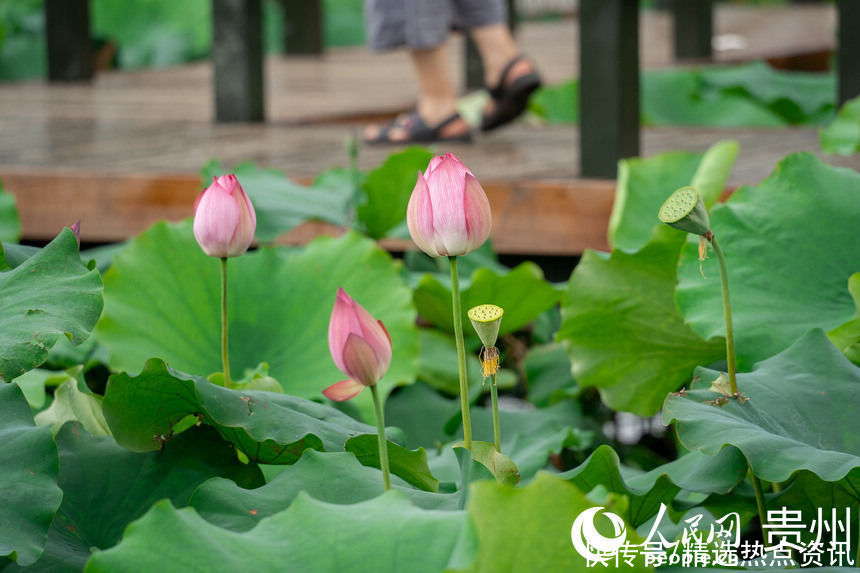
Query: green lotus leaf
pixel 162 300
pixel 842 136
pixel 28 479
pixel 106 487
pixel 781 429
pixel 646 491
pixel 529 528
pixel 522 293
pixel 387 533
pixel 790 246
pixel 10 224
pixel 51 294
pixel 333 477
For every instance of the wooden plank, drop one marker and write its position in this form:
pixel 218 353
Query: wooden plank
pixel 537 218
pixel 609 85
pixel 237 56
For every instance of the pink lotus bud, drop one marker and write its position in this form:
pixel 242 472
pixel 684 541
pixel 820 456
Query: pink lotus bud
pixel 76 229
pixel 224 219
pixel 360 346
pixel 448 213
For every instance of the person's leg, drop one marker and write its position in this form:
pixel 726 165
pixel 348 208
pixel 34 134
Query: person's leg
pixel 497 49
pixel 437 100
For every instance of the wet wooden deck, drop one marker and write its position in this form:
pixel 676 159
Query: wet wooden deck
pixel 126 150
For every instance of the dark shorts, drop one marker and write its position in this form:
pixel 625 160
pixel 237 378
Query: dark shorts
pixel 425 23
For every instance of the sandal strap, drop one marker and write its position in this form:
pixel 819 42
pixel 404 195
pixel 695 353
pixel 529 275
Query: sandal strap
pixel 417 129
pixel 498 91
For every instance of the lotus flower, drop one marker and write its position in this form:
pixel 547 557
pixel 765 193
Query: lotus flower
pixel 360 346
pixel 448 213
pixel 224 219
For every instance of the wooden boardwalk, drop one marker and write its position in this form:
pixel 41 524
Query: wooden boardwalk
pixel 126 150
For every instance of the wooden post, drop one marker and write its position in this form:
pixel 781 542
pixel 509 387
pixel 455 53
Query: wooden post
pixel 608 86
pixel 303 27
pixel 237 57
pixel 694 27
pixel 67 31
pixel 474 69
pixel 849 50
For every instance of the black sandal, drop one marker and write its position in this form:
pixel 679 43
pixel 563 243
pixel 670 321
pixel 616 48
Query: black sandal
pixel 417 131
pixel 510 100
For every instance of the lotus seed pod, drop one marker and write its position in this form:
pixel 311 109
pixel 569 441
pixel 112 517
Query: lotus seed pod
pixel 486 319
pixel 685 210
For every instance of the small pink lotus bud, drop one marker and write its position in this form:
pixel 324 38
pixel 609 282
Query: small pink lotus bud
pixel 76 229
pixel 360 346
pixel 224 218
pixel 448 213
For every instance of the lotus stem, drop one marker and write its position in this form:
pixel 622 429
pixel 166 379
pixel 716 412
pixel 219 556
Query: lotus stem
pixel 727 312
pixel 461 355
pixel 225 340
pixel 497 432
pixel 383 445
pixel 759 502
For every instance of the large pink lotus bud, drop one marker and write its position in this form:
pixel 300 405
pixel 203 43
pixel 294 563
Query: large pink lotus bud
pixel 360 346
pixel 224 219
pixel 448 213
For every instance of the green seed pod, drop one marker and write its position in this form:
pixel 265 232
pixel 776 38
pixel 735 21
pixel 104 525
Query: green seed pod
pixel 685 210
pixel 486 319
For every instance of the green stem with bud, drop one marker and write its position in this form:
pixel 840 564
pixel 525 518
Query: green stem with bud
pixel 461 354
pixel 466 461
pixel 225 353
pixel 727 313
pixel 383 445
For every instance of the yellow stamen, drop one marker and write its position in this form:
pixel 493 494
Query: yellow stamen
pixel 489 362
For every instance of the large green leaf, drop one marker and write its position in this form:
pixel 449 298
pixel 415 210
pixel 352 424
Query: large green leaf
pixel 644 184
pixel 28 479
pixel 282 204
pixel 268 427
pixel 623 331
pixel 49 295
pixel 790 247
pixel 528 436
pixel 843 134
pixel 529 529
pixel 336 477
pixel 71 404
pixel 163 300
pixel 10 224
pixel 548 375
pixel 558 103
pixel 384 534
pixel 796 97
pixel 620 324
pixel 388 188
pixel 846 337
pixel 522 293
pixel 437 365
pixel 106 487
pixel 677 97
pixel 801 413
pixel 410 465
pixel 646 491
